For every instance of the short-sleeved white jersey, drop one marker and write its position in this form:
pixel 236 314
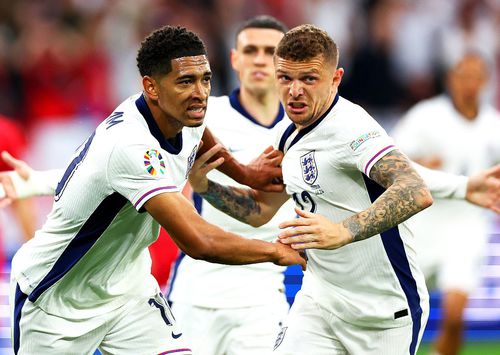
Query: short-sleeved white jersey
pixel 91 254
pixel 222 286
pixel 374 282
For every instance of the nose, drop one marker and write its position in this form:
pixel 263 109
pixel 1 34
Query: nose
pixel 295 89
pixel 201 90
pixel 260 58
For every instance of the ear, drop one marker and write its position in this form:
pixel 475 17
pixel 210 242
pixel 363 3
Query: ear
pixel 337 77
pixel 150 87
pixel 234 59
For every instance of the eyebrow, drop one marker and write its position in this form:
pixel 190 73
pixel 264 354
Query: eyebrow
pixel 192 76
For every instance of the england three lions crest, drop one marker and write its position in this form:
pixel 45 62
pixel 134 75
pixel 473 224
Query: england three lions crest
pixel 309 168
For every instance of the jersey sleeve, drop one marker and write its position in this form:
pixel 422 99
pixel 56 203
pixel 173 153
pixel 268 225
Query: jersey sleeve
pixel 139 172
pixel 410 133
pixel 366 142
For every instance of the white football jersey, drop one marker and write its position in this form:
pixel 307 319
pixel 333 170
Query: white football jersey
pixel 375 282
pixel 91 255
pixel 204 284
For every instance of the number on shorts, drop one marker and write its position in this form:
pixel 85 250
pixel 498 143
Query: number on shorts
pixel 153 302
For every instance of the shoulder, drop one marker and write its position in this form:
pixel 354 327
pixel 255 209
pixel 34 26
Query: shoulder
pixel 218 107
pixel 350 120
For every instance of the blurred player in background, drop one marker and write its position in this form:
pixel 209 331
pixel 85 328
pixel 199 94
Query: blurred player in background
pixel 235 310
pixel 84 282
pixel 12 139
pixel 459 134
pixel 353 189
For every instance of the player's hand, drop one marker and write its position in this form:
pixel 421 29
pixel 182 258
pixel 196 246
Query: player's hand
pixel 288 256
pixel 7 191
pixel 201 167
pixel 264 172
pixel 313 231
pixel 483 189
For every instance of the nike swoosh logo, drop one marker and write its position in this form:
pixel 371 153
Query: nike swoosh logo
pixel 175 336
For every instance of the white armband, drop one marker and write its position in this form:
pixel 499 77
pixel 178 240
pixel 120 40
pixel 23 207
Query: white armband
pixel 442 184
pixel 40 183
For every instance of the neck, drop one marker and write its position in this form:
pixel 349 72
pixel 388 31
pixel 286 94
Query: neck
pixel 168 126
pixel 263 107
pixel 469 110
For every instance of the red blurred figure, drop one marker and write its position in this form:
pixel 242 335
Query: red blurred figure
pixel 12 139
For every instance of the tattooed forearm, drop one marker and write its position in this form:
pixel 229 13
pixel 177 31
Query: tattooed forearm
pixel 406 195
pixel 238 203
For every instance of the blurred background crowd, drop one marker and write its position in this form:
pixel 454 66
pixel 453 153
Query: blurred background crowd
pixel 66 60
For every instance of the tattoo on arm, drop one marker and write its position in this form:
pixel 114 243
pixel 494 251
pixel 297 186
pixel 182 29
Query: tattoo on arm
pixel 406 195
pixel 238 203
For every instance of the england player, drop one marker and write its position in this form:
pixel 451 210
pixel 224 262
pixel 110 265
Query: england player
pixel 238 309
pixel 363 292
pixel 457 133
pixel 83 282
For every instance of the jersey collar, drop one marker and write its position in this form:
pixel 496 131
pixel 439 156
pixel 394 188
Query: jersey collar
pixel 290 129
pixel 174 145
pixel 234 100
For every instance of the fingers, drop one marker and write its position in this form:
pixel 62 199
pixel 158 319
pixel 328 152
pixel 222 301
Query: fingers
pixel 494 171
pixel 11 161
pixel 273 187
pixel 201 160
pixel 268 149
pixel 20 166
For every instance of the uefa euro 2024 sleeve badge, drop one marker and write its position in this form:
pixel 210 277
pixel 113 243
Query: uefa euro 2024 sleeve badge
pixel 153 161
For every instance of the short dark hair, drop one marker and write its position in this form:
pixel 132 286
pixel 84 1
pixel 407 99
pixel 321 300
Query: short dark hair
pixel 164 44
pixel 262 21
pixel 306 42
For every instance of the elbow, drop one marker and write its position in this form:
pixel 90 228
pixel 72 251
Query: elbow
pixel 199 250
pixel 425 199
pixel 259 220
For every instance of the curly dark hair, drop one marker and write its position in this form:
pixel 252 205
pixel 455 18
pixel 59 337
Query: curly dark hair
pixel 306 42
pixel 164 44
pixel 262 21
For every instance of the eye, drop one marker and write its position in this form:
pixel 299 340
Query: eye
pixel 249 50
pixel 270 51
pixel 283 78
pixel 185 82
pixel 310 79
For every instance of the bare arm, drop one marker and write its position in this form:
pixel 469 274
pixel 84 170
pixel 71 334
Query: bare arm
pixel 264 173
pixel 405 195
pixel 202 240
pixel 246 205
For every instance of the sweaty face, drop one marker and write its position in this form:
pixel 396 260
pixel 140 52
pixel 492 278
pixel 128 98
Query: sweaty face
pixel 307 88
pixel 184 91
pixel 253 58
pixel 467 79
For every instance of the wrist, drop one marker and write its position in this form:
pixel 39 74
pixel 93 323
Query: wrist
pixel 345 233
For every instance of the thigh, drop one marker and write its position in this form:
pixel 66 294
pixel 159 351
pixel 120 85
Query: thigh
pixel 374 341
pixel 206 328
pixel 43 333
pixel 256 328
pixel 145 326
pixel 306 331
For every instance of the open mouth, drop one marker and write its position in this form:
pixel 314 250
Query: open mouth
pixel 196 111
pixel 296 107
